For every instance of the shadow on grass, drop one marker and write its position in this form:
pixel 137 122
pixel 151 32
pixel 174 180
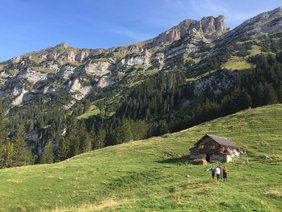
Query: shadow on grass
pixel 183 159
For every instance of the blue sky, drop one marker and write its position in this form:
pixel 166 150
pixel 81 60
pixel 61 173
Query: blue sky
pixel 31 25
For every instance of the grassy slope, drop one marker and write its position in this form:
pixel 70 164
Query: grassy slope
pixel 93 110
pixel 154 174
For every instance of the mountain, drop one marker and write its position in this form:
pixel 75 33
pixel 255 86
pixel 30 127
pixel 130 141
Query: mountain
pixel 83 71
pixel 155 174
pixel 193 72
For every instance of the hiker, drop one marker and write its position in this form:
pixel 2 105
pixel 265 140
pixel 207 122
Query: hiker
pixel 217 172
pixel 225 171
pixel 213 172
pixel 221 171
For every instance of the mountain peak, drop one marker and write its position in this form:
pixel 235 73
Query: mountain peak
pixel 63 45
pixel 278 9
pixel 264 23
pixel 213 25
pixel 208 27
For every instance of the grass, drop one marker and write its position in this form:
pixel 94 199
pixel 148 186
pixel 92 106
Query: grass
pixel 237 63
pixel 255 50
pixel 93 110
pixel 155 174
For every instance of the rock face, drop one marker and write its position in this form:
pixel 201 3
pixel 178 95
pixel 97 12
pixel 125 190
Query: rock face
pixel 105 81
pixel 208 27
pixel 19 99
pixel 66 71
pixel 98 68
pixel 265 23
pixel 141 60
pixel 33 76
pixel 78 90
pixel 81 56
pixel 77 72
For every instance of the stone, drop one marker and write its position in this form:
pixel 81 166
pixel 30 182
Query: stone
pixel 199 162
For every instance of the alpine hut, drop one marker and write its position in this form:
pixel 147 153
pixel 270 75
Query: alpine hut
pixel 213 148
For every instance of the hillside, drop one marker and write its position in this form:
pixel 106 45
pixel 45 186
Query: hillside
pixel 155 174
pixel 194 72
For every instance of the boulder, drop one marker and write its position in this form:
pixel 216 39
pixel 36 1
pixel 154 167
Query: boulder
pixel 199 162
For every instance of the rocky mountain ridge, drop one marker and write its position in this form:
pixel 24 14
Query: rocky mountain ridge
pixel 79 72
pixel 63 62
pixel 160 84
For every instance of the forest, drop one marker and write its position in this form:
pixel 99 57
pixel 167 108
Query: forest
pixel 163 103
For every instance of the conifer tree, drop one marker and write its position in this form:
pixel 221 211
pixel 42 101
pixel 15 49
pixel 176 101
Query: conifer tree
pixel 258 95
pixel 84 139
pixel 63 149
pixel 280 92
pixel 270 95
pixel 6 155
pixel 93 137
pixel 48 154
pixel 21 154
pixel 123 132
pixel 100 139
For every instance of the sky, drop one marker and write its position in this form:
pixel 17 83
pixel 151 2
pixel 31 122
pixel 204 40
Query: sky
pixel 32 25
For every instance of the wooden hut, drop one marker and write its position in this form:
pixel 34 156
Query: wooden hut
pixel 213 148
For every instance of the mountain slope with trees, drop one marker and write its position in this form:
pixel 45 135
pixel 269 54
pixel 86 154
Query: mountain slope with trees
pixel 76 100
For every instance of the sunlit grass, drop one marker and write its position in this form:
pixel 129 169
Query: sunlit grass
pixel 93 110
pixel 155 174
pixel 237 63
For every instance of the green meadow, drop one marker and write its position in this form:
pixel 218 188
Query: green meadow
pixel 156 174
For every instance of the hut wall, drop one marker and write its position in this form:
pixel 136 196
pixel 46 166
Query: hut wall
pixel 208 146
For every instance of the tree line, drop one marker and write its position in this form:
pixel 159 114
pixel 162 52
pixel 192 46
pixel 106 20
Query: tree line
pixel 163 103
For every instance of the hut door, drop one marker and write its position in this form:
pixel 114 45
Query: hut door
pixel 208 158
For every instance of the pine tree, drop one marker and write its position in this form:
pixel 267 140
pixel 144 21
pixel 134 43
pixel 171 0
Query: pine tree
pixel 86 106
pixel 21 154
pixel 6 155
pixel 6 149
pixel 3 126
pixel 100 140
pixel 84 139
pixel 63 149
pixel 163 127
pixel 280 92
pixel 93 137
pixel 48 154
pixel 72 138
pixel 139 129
pixel 270 95
pixel 123 132
pixel 258 95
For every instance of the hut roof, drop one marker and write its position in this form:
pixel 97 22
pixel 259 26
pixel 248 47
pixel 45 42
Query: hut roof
pixel 220 140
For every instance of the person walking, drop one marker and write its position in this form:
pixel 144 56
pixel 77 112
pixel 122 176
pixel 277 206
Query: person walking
pixel 221 171
pixel 213 172
pixel 225 171
pixel 217 172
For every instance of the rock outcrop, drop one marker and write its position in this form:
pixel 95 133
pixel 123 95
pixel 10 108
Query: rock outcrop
pixel 98 68
pixel 209 27
pixel 79 91
pixel 265 23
